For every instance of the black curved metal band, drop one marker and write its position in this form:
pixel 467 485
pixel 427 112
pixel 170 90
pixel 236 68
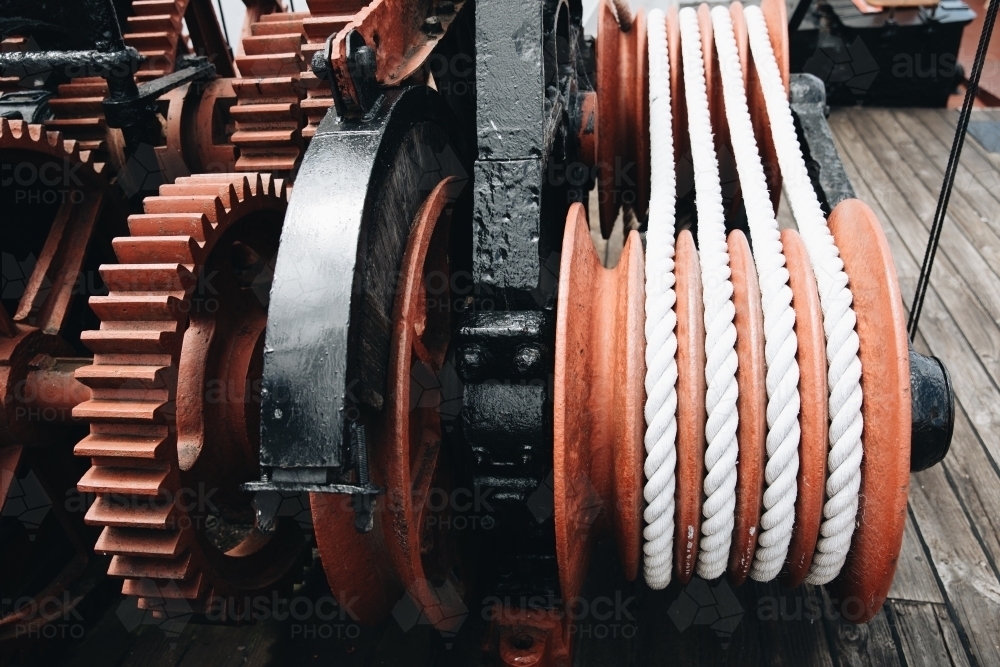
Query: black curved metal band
pixel 329 321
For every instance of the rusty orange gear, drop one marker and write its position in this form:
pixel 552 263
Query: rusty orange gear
pixel 281 102
pixel 174 414
pixel 154 30
pixel 46 551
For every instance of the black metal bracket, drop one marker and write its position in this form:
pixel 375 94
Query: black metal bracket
pixel 28 105
pixel 134 110
pixel 829 178
pixel 363 494
pixel 932 402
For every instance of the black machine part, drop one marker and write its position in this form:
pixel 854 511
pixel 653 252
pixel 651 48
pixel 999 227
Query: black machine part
pixel 330 315
pixel 102 52
pixel 933 405
pixel 28 105
pixel 904 56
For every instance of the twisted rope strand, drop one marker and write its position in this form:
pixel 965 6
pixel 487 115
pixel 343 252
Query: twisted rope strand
pixel 780 342
pixel 839 320
pixel 661 319
pixel 720 332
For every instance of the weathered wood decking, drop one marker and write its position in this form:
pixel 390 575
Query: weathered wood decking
pixel 944 606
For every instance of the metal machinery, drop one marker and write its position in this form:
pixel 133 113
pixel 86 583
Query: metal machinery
pixel 367 276
pixel 886 56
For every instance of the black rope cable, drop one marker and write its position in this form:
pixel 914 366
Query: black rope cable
pixel 952 168
pixel 225 30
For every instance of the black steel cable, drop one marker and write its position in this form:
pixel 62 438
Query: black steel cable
pixel 225 30
pixel 952 168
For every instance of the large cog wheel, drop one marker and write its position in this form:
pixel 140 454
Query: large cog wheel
pixel 175 408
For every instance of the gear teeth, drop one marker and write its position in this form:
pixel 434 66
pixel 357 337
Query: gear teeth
pixel 211 206
pixel 107 512
pixel 177 569
pixel 140 481
pixel 159 249
pixel 171 278
pixel 122 445
pixel 145 308
pixel 154 30
pixel 138 542
pixel 280 102
pixel 153 594
pixel 121 410
pixel 17 134
pixel 110 341
pixel 195 225
pixel 133 443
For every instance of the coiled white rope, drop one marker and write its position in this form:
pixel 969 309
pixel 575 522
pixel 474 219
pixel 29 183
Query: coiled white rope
pixel 661 319
pixel 780 343
pixel 844 367
pixel 720 332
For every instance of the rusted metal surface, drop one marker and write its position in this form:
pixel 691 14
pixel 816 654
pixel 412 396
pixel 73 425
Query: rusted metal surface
pixel 885 381
pixel 409 551
pixel 402 34
pixel 174 410
pixel 598 397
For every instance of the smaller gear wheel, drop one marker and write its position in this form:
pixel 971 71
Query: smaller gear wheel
pixel 175 408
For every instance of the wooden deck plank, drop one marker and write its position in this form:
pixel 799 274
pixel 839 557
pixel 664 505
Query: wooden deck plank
pixel 854 645
pixel 923 630
pixel 914 578
pixel 975 178
pixel 965 239
pixel 972 587
pixel 971 205
pixel 975 475
pixel 952 540
pixel 979 162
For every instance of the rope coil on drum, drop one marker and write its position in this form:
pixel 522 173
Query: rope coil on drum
pixel 839 319
pixel 661 319
pixel 779 318
pixel 720 332
pixel 775 539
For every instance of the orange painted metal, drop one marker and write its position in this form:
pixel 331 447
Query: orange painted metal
pixel 814 413
pixel 691 410
pixel 622 121
pixel 530 637
pixel 751 378
pixel 598 398
pixel 403 33
pixel 885 381
pixel 756 105
pixel 409 550
pixel 173 408
pixel 776 16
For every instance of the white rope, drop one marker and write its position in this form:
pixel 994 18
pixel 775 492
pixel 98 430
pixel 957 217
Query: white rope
pixel 780 343
pixel 720 332
pixel 844 379
pixel 661 319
